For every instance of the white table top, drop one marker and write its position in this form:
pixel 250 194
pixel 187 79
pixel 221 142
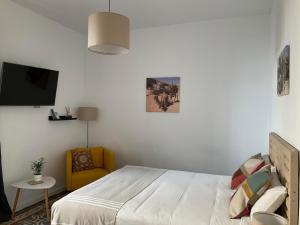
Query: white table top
pixel 49 182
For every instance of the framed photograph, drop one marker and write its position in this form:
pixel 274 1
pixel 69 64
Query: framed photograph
pixel 283 73
pixel 163 94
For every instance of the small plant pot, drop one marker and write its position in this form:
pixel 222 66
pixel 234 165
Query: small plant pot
pixel 37 178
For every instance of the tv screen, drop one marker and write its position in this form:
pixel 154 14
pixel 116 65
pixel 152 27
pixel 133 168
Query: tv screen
pixel 27 86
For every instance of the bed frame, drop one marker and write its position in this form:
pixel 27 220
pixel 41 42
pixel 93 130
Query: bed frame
pixel 286 159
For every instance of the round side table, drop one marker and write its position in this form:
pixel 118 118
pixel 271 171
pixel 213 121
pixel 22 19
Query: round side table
pixel 48 182
pixel 263 218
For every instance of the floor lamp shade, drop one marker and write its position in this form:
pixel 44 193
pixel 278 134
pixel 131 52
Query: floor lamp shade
pixel 108 33
pixel 88 113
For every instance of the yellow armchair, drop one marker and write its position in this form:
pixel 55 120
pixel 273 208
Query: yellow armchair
pixel 104 162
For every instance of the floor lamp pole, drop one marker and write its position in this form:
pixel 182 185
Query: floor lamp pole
pixel 87 134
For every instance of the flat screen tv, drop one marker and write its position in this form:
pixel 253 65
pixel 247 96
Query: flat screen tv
pixel 27 86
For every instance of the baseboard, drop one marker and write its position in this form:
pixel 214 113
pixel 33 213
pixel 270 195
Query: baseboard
pixel 38 198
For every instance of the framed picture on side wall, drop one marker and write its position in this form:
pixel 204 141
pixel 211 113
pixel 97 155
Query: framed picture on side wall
pixel 283 72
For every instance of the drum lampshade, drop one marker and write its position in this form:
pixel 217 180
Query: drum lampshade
pixel 88 113
pixel 108 33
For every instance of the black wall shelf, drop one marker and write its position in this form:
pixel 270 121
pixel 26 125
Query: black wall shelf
pixel 61 118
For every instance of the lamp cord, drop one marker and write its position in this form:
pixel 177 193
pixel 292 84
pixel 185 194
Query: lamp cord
pixel 108 5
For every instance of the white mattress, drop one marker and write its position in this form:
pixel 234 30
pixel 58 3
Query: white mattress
pixel 171 198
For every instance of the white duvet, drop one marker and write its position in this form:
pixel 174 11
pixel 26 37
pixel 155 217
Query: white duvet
pixel 147 196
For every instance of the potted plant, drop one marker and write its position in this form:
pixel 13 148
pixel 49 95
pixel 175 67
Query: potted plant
pixel 37 168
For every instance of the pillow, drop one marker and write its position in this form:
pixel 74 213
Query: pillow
pixel 249 167
pixel 260 218
pixel 267 159
pixel 273 198
pixel 82 160
pixel 248 193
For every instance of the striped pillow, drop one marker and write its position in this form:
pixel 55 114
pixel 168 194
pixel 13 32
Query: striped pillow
pixel 248 168
pixel 249 192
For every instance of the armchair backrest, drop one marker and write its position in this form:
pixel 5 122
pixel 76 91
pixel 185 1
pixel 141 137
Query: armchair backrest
pixel 97 155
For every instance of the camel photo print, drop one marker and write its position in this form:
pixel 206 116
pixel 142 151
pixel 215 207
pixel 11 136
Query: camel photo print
pixel 163 94
pixel 283 76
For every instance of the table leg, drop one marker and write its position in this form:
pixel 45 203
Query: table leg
pixel 15 203
pixel 47 205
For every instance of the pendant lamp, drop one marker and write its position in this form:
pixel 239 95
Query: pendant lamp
pixel 108 33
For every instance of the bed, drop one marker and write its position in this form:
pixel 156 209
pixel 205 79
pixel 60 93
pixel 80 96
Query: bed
pixel 149 196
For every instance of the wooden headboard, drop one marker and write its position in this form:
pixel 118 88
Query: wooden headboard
pixel 285 157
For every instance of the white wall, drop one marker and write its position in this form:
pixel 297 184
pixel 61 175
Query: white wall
pixel 225 95
pixel 286 109
pixel 25 132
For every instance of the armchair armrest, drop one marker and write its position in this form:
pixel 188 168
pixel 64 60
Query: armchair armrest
pixel 109 160
pixel 69 170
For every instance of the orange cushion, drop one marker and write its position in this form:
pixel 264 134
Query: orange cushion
pixel 85 177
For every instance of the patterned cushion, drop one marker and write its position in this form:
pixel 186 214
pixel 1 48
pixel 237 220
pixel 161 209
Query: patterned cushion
pixel 267 159
pixel 249 192
pixel 82 160
pixel 273 198
pixel 248 168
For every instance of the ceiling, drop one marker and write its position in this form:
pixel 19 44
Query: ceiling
pixel 146 13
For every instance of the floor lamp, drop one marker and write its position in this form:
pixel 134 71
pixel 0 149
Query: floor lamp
pixel 87 114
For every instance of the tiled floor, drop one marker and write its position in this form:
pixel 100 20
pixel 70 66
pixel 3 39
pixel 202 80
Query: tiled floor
pixel 34 215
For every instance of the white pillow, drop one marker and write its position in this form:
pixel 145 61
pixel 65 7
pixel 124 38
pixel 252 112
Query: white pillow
pixel 273 198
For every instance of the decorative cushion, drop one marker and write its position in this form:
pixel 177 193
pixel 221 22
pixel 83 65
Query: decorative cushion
pixel 275 178
pixel 263 218
pixel 265 167
pixel 267 159
pixel 82 160
pixel 248 168
pixel 273 198
pixel 248 193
